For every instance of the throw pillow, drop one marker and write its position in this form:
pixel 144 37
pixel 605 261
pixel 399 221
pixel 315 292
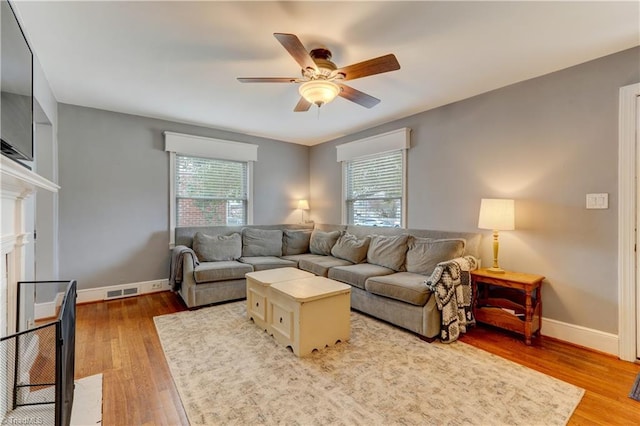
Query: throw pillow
pixel 351 248
pixel 261 242
pixel 295 241
pixel 425 253
pixel 388 251
pixel 322 242
pixel 217 248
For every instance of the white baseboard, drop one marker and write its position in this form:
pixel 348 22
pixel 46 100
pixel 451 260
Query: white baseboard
pixel 101 293
pixel 578 335
pixel 49 309
pixel 583 336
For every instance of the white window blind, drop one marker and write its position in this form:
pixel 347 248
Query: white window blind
pixel 210 191
pixel 374 188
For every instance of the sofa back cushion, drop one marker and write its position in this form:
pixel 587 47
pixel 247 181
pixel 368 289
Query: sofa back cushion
pixel 472 239
pixel 425 253
pixel 214 248
pixel 322 242
pixel 388 251
pixel 295 242
pixel 261 242
pixel 351 248
pixel 184 234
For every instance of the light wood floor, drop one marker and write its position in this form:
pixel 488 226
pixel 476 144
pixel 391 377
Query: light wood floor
pixel 118 338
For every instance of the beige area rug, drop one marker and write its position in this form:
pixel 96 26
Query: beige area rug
pixel 228 371
pixel 87 401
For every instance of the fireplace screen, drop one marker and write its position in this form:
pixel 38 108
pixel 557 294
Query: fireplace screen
pixel 37 363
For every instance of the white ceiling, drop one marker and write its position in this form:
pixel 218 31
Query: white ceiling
pixel 179 60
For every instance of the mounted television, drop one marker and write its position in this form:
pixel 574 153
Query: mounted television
pixel 16 88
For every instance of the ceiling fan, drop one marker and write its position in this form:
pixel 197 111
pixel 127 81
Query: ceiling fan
pixel 321 79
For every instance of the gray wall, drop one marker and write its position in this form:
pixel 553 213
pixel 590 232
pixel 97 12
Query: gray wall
pixel 545 142
pixel 114 201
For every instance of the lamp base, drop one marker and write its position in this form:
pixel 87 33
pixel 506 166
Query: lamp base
pixel 496 270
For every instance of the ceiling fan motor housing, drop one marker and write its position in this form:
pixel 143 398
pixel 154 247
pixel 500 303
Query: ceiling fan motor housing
pixel 322 58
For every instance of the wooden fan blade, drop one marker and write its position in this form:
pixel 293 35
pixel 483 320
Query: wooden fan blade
pixel 267 79
pixel 357 96
pixel 296 49
pixel 303 105
pixel 379 65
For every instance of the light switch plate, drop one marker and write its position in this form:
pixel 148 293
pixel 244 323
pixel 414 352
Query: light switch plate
pixel 598 201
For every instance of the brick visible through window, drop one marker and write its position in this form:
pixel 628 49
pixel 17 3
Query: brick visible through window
pixel 210 192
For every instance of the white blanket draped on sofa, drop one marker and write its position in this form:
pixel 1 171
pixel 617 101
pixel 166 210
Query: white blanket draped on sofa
pixel 450 283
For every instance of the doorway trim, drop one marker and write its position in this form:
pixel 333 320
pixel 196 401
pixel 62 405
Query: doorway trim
pixel 628 165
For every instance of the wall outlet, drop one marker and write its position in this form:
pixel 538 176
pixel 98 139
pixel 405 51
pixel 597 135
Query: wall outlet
pixel 156 286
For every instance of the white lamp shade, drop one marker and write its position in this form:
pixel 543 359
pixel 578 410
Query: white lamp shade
pixel 497 214
pixel 303 205
pixel 319 92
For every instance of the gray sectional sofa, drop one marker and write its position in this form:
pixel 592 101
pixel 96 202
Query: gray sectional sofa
pixel 386 267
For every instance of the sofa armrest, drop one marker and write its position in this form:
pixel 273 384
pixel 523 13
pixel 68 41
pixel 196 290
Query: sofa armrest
pixel 182 257
pixel 184 251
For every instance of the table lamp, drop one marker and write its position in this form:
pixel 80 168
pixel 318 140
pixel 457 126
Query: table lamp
pixel 497 215
pixel 303 205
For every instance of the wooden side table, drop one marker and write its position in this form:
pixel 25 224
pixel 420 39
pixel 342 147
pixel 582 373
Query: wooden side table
pixel 513 303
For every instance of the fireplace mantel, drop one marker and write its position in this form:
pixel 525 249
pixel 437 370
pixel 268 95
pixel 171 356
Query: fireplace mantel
pixel 19 179
pixel 17 183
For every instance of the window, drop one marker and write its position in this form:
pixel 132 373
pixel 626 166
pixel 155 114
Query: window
pixel 374 188
pixel 210 191
pixel 374 179
pixel 210 181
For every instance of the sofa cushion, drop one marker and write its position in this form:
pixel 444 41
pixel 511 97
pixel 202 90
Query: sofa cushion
pixel 295 241
pixel 218 247
pixel 357 275
pixel 261 242
pixel 260 263
pixel 351 248
pixel 297 257
pixel 320 265
pixel 388 251
pixel 425 253
pixel 322 242
pixel 404 286
pixel 220 271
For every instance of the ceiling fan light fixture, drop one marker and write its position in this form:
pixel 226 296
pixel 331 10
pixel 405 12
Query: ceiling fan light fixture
pixel 319 92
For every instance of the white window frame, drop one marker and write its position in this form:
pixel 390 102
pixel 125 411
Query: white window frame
pixel 198 146
pixel 376 145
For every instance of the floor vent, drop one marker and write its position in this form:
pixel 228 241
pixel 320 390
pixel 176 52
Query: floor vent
pixel 114 294
pixel 130 291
